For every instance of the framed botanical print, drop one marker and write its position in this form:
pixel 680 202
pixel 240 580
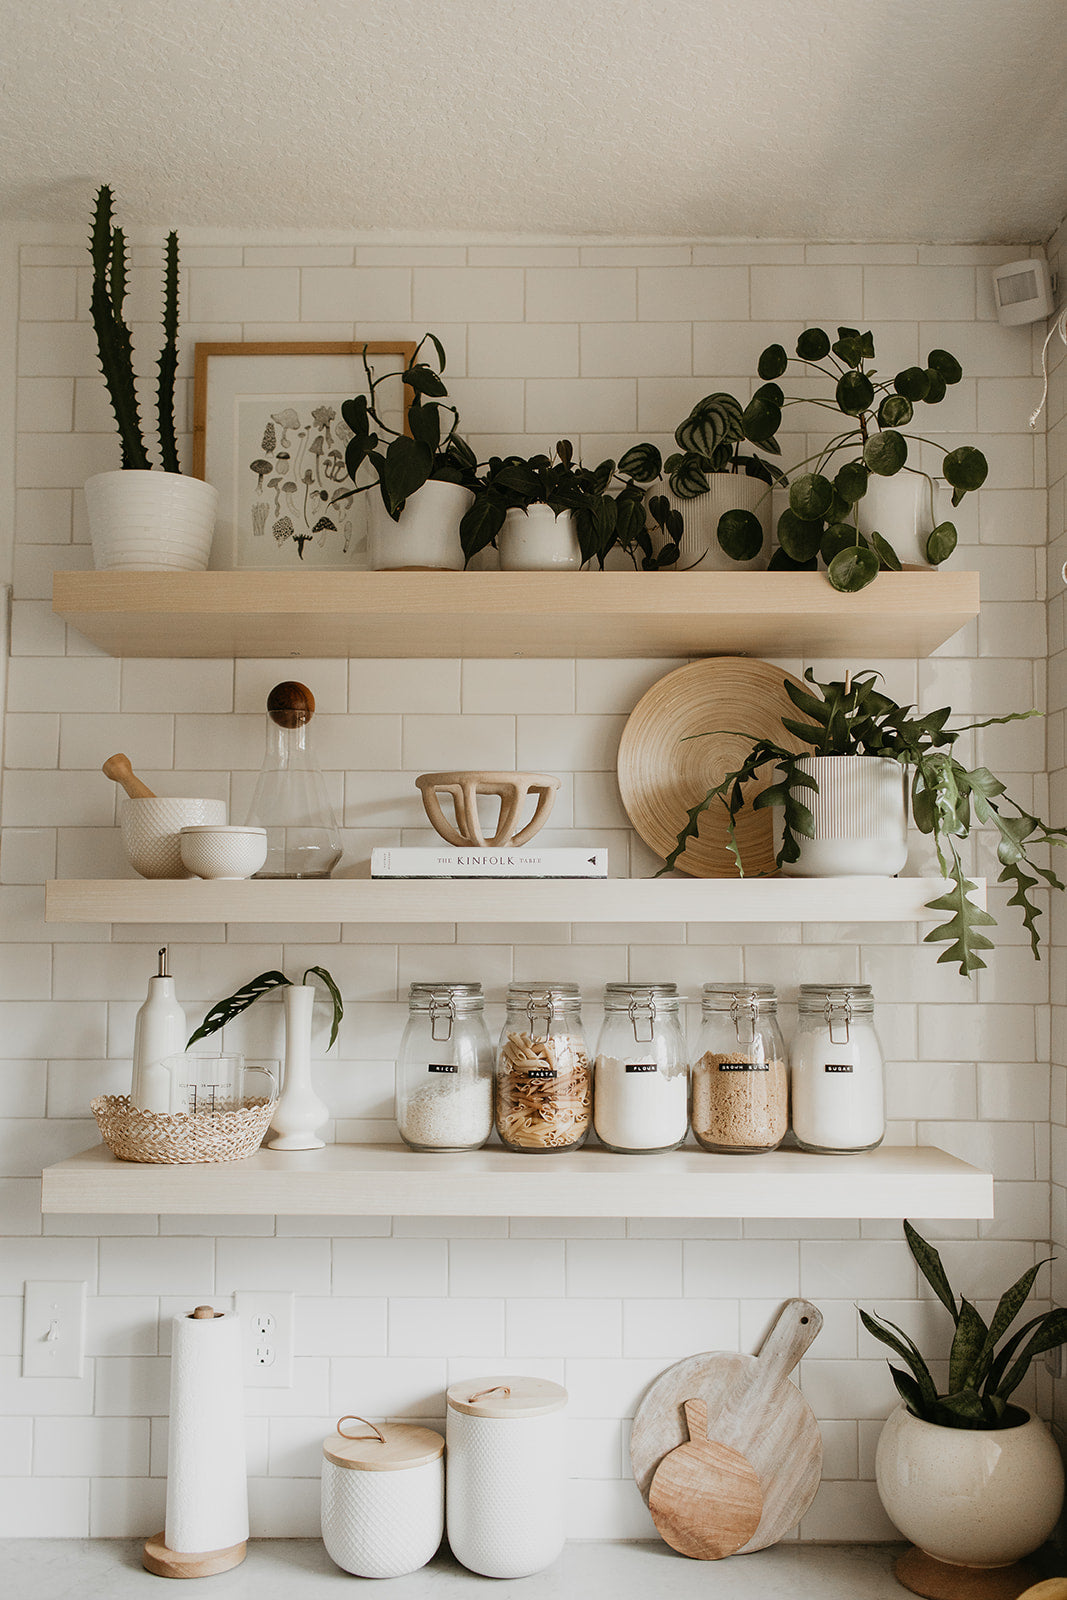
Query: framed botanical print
pixel 268 433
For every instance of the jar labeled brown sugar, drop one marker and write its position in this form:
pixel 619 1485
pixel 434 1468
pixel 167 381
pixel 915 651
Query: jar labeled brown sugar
pixel 544 1084
pixel 740 1081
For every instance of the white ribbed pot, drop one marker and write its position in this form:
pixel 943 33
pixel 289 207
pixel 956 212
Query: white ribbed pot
pixel 903 510
pixel 426 536
pixel 728 491
pixel 971 1497
pixel 861 818
pixel 538 540
pixel 142 521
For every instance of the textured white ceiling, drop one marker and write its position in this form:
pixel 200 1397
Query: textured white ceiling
pixel 824 119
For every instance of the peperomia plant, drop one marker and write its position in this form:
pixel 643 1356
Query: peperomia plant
pixel 981 1378
pixel 853 718
pixel 821 519
pixel 224 1011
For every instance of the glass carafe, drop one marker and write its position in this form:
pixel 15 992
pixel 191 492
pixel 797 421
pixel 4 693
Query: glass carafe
pixel 290 799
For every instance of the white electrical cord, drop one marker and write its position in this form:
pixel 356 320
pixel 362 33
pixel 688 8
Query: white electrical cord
pixel 1059 326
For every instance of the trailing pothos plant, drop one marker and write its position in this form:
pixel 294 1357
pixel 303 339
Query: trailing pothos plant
pixel 853 718
pixel 821 519
pixel 403 462
pixel 981 1378
pixel 224 1011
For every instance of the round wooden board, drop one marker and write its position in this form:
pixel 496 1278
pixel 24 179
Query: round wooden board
pixel 661 777
pixel 705 1500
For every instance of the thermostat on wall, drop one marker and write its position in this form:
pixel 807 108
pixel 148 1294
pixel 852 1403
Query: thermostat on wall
pixel 1022 291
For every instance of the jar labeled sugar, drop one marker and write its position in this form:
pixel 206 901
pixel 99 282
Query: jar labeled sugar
pixel 444 1072
pixel 641 1074
pixel 740 1083
pixel 837 1073
pixel 544 1085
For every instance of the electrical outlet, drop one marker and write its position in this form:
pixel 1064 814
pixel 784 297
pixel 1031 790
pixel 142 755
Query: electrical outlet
pixel 53 1330
pixel 267 1327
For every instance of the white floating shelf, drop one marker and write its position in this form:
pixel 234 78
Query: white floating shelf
pixel 390 1180
pixel 514 900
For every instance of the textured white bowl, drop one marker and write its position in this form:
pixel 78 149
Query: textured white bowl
pixel 151 832
pixel 210 850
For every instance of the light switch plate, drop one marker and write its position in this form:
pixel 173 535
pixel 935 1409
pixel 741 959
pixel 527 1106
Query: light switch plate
pixel 53 1330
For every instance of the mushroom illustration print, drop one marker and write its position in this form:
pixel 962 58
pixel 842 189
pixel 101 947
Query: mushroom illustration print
pixel 298 461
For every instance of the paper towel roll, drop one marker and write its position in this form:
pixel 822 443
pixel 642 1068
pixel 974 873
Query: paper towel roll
pixel 207 1480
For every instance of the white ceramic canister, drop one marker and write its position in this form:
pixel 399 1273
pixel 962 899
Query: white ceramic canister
pixel 383 1497
pixel 506 1474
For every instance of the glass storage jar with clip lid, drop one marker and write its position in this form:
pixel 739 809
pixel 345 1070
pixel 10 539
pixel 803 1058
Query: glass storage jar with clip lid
pixel 444 1072
pixel 291 799
pixel 641 1073
pixel 836 1069
pixel 740 1083
pixel 544 1086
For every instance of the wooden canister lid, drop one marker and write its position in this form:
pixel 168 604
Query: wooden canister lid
pixel 507 1397
pixel 392 1448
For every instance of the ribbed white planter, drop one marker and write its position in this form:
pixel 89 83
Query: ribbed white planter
pixel 426 534
pixel 143 521
pixel 729 491
pixel 539 540
pixel 861 818
pixel 973 1497
pixel 903 510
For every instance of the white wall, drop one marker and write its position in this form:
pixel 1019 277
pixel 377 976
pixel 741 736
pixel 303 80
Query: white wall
pixel 607 344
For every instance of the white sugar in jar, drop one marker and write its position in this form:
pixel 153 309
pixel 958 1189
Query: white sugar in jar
pixel 837 1075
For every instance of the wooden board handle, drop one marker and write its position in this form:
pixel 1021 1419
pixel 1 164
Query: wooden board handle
pixel 797 1324
pixel 118 768
pixel 696 1419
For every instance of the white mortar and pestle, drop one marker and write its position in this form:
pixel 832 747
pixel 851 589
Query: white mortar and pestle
pixel 152 824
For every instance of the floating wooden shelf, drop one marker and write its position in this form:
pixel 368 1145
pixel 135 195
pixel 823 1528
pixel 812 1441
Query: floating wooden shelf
pixel 390 1180
pixel 515 900
pixel 496 614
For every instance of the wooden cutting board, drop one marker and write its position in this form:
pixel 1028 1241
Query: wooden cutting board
pixel 705 1499
pixel 753 1409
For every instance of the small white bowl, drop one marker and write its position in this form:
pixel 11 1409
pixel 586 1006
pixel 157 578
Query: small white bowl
pixel 215 851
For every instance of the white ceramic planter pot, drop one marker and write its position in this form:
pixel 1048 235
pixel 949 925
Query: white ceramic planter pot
pixel 537 540
pixel 729 491
pixel 903 510
pixel 150 521
pixel 971 1497
pixel 427 533
pixel 861 818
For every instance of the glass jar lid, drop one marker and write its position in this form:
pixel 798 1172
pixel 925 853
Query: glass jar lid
pixel 856 998
pixel 750 996
pixel 460 996
pixel 543 995
pixel 621 996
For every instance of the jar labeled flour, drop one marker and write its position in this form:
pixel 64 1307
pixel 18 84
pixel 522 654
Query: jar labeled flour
pixel 383 1497
pixel 740 1082
pixel 641 1074
pixel 838 1077
pixel 544 1085
pixel 444 1072
pixel 506 1474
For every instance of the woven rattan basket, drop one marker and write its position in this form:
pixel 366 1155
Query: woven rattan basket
pixel 170 1138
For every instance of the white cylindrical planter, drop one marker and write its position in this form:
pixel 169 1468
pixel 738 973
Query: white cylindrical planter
pixel 903 510
pixel 142 521
pixel 426 536
pixel 861 818
pixel 506 1474
pixel 728 491
pixel 539 540
pixel 383 1498
pixel 299 1111
pixel 973 1497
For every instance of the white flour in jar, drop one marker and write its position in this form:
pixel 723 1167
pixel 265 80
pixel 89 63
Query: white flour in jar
pixel 837 1090
pixel 450 1116
pixel 643 1109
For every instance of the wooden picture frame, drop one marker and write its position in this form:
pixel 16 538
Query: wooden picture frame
pixel 268 433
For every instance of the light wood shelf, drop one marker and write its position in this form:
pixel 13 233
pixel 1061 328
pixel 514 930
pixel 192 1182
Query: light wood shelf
pixel 390 1180
pixel 498 614
pixel 514 900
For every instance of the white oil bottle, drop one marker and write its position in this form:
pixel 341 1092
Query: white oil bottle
pixel 159 1032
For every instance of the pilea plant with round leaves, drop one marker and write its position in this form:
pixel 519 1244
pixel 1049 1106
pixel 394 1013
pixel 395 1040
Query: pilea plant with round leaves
pixel 821 519
pixel 853 718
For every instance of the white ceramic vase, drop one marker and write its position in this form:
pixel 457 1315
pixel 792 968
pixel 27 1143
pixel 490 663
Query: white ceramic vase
pixel 861 818
pixel 426 534
pixel 971 1497
pixel 299 1112
pixel 538 540
pixel 903 510
pixel 141 521
pixel 728 491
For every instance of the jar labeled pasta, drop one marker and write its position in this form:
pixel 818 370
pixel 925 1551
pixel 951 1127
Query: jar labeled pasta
pixel 641 1075
pixel 838 1077
pixel 740 1083
pixel 444 1072
pixel 544 1086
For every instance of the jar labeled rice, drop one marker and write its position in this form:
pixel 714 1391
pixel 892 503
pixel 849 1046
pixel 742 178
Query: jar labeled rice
pixel 544 1084
pixel 740 1081
pixel 444 1072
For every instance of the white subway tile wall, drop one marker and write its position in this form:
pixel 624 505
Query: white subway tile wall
pixel 611 343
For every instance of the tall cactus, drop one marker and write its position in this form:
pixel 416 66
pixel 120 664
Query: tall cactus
pixel 168 359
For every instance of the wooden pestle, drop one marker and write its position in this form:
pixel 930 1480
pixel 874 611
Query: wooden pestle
pixel 118 768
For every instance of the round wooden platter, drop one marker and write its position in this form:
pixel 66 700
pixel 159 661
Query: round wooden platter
pixel 751 1409
pixel 705 1499
pixel 664 770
